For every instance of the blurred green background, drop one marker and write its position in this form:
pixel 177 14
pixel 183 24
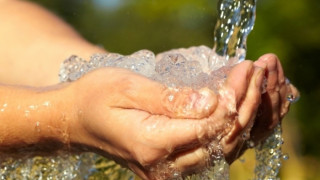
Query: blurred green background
pixel 290 29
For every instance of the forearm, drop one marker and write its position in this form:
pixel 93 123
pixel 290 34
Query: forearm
pixel 34 42
pixel 34 118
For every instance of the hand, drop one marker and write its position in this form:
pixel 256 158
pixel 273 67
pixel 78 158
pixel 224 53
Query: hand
pixel 143 125
pixel 275 104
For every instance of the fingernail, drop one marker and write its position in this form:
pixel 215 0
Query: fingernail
pixel 205 102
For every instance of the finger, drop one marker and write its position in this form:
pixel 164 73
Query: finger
pixel 283 91
pixel 292 96
pixel 236 84
pixel 137 92
pixel 175 134
pixel 272 99
pixel 248 108
pixel 295 92
pixel 183 164
pixel 271 64
pixel 188 103
pixel 269 111
pixel 281 77
pixel 192 161
pixel 252 99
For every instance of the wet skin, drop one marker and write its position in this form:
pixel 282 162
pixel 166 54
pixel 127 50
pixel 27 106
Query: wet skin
pixel 130 118
pixel 117 113
pixel 135 121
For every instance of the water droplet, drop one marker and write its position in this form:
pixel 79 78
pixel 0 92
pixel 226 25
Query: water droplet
pixel 285 157
pixel 171 97
pixel 38 126
pixel 291 98
pixel 46 103
pixel 245 136
pixel 33 107
pixel 271 151
pixel 176 174
pixel 250 144
pixel 242 160
pixel 26 113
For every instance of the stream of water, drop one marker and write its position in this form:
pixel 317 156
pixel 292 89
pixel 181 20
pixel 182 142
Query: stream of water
pixel 195 67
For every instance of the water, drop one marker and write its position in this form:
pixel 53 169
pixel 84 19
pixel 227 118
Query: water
pixel 63 166
pixel 235 21
pixel 195 67
pixel 269 156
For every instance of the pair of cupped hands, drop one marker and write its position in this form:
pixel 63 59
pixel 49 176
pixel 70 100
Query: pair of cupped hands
pixel 145 125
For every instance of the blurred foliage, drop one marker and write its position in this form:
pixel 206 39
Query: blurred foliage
pixel 290 29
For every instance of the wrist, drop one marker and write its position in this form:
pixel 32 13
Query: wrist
pixel 59 112
pixel 79 139
pixel 87 129
pixel 36 118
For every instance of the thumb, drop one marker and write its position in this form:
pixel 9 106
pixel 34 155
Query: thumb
pixel 138 92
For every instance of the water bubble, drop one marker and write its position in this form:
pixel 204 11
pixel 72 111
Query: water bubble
pixel 242 160
pixel 170 97
pixel 245 136
pixel 291 98
pixel 46 103
pixel 38 126
pixel 269 156
pixel 33 107
pixel 176 175
pixel 26 113
pixel 4 106
pixel 271 151
pixel 285 157
pixel 250 144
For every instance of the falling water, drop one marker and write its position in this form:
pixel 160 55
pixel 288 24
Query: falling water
pixel 195 67
pixel 235 22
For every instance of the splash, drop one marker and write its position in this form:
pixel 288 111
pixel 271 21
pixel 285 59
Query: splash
pixel 175 68
pixel 269 156
pixel 194 67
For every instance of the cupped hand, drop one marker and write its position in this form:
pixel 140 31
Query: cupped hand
pixel 276 100
pixel 158 131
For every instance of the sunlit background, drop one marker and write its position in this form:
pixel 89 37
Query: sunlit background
pixel 290 29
